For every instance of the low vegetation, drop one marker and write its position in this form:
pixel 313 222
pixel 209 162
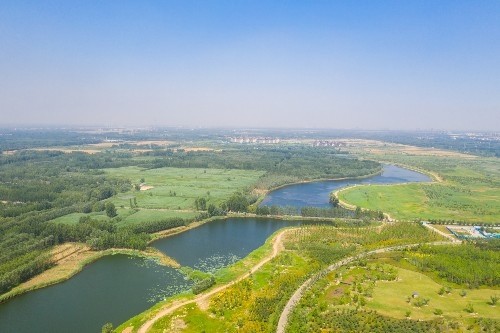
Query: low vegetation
pixel 379 295
pixel 468 191
pixel 255 303
pixel 117 198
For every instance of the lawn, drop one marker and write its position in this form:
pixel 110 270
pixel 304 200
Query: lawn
pixel 390 298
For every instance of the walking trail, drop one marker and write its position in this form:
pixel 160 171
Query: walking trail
pixel 277 246
pixel 297 295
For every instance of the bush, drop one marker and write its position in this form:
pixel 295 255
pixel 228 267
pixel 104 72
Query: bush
pixel 203 285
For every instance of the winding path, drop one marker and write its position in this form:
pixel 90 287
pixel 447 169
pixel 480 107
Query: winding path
pixel 297 295
pixel 277 246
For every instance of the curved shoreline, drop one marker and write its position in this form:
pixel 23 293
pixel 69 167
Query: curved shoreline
pixel 266 192
pixel 156 254
pixel 25 287
pixel 435 178
pixel 277 246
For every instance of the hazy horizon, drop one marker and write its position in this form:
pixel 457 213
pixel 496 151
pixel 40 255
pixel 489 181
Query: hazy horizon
pixel 364 65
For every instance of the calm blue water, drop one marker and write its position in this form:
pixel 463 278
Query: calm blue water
pixel 317 194
pixel 115 288
pixel 112 289
pixel 219 243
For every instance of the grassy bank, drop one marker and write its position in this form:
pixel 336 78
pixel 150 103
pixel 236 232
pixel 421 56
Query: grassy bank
pixel 469 187
pixel 254 303
pixel 73 260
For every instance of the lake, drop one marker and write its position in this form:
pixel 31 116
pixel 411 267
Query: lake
pixel 117 287
pixel 317 194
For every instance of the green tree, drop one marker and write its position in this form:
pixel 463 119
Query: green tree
pixel 200 203
pixel 107 328
pixel 237 203
pixel 110 209
pixel 357 212
pixel 334 201
pixel 469 308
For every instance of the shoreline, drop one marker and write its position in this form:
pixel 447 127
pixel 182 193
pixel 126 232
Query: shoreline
pixel 152 252
pixel 61 272
pixel 435 178
pixel 267 191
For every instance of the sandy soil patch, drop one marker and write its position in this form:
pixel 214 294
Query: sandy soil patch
pixel 381 148
pixel 68 149
pixel 146 187
pixel 68 258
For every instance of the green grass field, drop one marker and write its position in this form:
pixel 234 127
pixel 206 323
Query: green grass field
pixel 155 215
pixel 390 298
pixel 172 191
pixel 469 189
pixel 177 188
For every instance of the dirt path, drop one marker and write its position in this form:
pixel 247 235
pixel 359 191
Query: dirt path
pixel 297 295
pixel 203 298
pixel 450 237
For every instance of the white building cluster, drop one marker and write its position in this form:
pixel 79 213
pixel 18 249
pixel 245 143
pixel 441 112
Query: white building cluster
pixel 255 140
pixel 328 143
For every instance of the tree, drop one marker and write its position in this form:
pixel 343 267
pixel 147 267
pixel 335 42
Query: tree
pixel 493 300
pixel 357 212
pixel 469 308
pixel 110 209
pixel 334 201
pixel 107 328
pixel 200 203
pixel 237 203
pixel 438 312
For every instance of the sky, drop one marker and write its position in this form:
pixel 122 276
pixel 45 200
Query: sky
pixel 282 63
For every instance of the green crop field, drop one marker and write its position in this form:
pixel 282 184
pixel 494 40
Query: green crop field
pixel 468 188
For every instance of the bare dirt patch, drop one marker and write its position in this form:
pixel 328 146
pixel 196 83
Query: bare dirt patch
pixel 177 325
pixel 381 148
pixel 146 187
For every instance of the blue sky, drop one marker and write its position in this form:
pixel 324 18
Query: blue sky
pixel 319 64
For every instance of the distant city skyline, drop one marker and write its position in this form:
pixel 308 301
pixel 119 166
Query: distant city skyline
pixel 380 65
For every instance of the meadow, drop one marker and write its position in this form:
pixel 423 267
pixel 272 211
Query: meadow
pixel 165 193
pixel 379 295
pixel 178 188
pixel 467 187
